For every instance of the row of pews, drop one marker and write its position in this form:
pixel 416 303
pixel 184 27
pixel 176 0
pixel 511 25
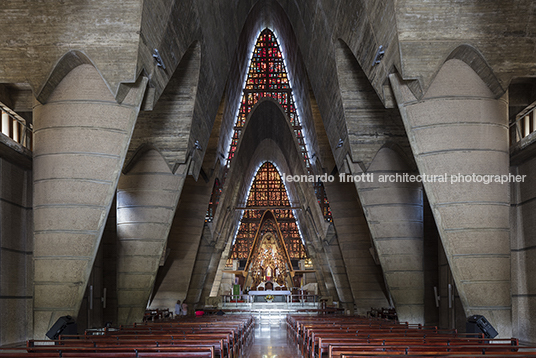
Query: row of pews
pixel 351 336
pixel 157 314
pixel 207 336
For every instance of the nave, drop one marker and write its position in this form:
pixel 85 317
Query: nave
pixel 296 335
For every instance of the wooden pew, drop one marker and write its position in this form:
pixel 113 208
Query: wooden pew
pixel 207 337
pixel 106 352
pixel 36 345
pixel 365 337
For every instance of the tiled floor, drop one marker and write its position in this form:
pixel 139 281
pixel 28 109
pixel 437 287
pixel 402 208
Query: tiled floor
pixel 271 342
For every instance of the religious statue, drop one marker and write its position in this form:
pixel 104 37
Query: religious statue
pixel 268 276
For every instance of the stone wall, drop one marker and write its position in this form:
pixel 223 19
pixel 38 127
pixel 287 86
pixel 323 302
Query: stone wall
pixel 16 290
pixel 523 246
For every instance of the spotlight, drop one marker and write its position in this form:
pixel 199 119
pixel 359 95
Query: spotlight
pixel 379 56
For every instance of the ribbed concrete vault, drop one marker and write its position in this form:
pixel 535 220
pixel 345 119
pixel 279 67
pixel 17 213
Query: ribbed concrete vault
pixel 453 73
pixel 268 136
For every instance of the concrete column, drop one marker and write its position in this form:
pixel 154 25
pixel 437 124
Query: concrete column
pixel 211 270
pixel 338 269
pixel 202 267
pixel 364 275
pixel 147 197
pixel 319 266
pixel 323 266
pixel 81 137
pixel 459 127
pixel 394 212
pixel 109 251
pixel 183 243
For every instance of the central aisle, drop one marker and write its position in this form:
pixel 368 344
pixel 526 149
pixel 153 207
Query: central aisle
pixel 271 342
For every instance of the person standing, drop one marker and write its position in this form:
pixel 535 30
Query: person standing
pixel 178 308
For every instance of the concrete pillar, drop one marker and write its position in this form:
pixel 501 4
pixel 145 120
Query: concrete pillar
pixel 320 277
pixel 353 235
pixel 81 137
pixel 211 270
pixel 109 251
pixel 337 268
pixel 147 198
pixel 459 127
pixel 201 269
pixel 394 212
pixel 183 243
pixel 322 265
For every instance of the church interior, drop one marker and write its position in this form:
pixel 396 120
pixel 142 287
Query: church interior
pixel 344 157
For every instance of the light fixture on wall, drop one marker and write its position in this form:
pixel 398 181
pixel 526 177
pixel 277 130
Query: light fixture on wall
pixel 339 144
pixel 379 56
pixel 158 59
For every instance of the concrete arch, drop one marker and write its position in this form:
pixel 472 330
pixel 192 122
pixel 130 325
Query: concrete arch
pixel 474 59
pixel 267 120
pixel 369 124
pixel 63 67
pixel 168 125
pixel 173 32
pixel 310 220
pixel 267 136
pixel 408 162
pixel 393 211
pixel 269 14
pixel 140 152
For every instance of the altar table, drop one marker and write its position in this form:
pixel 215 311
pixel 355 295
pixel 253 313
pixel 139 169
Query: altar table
pixel 260 296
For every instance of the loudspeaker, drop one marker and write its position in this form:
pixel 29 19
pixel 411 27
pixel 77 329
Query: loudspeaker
pixel 64 325
pixel 479 324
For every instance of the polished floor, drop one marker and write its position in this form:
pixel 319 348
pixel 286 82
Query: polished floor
pixel 271 342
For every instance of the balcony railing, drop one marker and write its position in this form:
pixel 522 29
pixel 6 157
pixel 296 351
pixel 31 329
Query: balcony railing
pixel 15 127
pixel 524 124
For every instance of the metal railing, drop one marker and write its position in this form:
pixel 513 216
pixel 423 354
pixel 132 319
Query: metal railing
pixel 15 127
pixel 291 300
pixel 524 124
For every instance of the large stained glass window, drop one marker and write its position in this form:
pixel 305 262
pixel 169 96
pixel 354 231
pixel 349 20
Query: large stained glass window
pixel 268 192
pixel 267 77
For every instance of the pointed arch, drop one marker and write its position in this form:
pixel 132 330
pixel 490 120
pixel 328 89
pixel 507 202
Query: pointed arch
pixel 474 59
pixel 168 124
pixel 267 78
pixel 269 216
pixel 267 192
pixel 138 155
pixel 65 64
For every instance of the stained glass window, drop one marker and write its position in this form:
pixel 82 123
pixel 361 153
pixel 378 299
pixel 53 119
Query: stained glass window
pixel 267 77
pixel 268 192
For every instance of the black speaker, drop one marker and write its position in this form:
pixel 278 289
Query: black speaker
pixel 479 324
pixel 64 325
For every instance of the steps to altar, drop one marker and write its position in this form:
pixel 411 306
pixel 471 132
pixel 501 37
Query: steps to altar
pixel 270 313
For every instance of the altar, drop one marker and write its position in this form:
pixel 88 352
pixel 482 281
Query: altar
pixel 261 296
